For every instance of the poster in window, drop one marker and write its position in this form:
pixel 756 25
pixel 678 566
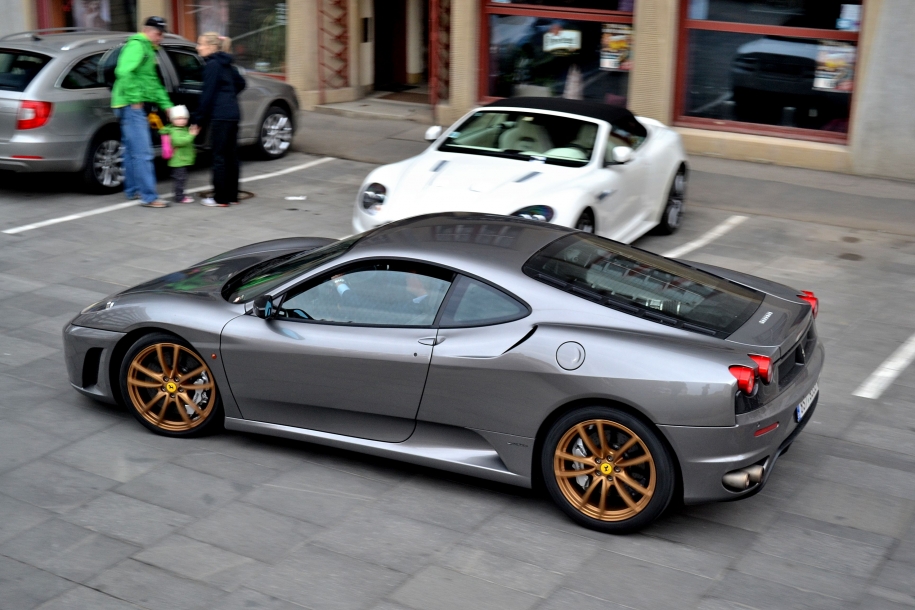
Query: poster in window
pixel 93 14
pixel 835 69
pixel 616 47
pixel 559 41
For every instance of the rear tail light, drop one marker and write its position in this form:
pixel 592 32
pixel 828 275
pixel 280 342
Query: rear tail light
pixel 746 378
pixel 814 302
pixel 765 367
pixel 33 114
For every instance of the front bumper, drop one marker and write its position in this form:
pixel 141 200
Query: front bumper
pixel 88 353
pixel 706 454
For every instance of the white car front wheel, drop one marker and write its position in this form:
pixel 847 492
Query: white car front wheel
pixel 673 209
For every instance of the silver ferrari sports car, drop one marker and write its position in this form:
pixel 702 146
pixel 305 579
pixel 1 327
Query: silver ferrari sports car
pixel 504 348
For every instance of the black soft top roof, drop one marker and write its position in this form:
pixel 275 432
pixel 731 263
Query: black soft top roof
pixel 594 110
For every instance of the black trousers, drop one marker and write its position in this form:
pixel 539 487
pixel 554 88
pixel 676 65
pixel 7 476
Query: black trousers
pixel 224 140
pixel 179 175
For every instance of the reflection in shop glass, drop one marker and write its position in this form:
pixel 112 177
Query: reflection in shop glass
pixel 819 14
pixel 606 5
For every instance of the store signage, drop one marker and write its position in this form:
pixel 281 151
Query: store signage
pixel 616 47
pixel 835 69
pixel 562 41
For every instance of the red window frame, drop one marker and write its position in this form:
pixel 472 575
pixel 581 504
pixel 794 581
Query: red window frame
pixel 531 10
pixel 796 133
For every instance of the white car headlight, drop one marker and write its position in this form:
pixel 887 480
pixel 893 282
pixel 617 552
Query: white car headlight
pixel 373 198
pixel 543 213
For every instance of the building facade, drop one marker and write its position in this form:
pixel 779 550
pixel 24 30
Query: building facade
pixel 821 84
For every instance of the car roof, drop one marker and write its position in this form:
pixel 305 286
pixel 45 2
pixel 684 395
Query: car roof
pixel 590 109
pixel 488 240
pixel 51 41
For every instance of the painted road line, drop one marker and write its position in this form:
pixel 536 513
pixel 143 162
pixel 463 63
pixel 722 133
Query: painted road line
pixel 706 239
pixel 887 372
pixel 129 204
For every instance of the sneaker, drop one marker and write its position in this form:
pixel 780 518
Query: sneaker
pixel 211 203
pixel 185 200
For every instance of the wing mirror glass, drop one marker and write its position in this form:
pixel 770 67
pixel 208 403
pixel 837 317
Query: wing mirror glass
pixel 263 307
pixel 433 133
pixel 621 154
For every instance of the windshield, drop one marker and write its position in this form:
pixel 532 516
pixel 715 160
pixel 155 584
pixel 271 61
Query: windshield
pixel 645 284
pixel 526 136
pixel 18 68
pixel 267 276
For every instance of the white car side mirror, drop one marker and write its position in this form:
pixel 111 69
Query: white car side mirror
pixel 433 133
pixel 621 154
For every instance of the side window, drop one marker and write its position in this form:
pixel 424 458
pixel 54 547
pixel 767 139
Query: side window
pixel 382 293
pixel 84 75
pixel 474 303
pixel 189 68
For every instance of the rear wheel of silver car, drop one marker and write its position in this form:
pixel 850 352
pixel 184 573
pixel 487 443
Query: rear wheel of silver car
pixel 607 470
pixel 276 133
pixel 105 163
pixel 673 209
pixel 586 221
pixel 169 387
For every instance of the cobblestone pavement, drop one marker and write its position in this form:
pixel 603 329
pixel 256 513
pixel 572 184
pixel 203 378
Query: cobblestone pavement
pixel 97 513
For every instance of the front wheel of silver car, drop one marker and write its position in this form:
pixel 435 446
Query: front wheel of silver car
pixel 105 163
pixel 607 469
pixel 275 135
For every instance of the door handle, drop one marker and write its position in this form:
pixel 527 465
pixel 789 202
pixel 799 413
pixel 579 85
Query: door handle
pixel 431 340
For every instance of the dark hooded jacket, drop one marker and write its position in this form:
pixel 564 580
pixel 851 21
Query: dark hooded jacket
pixel 221 85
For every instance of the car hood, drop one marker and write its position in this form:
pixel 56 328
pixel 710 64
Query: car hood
pixel 442 182
pixel 209 276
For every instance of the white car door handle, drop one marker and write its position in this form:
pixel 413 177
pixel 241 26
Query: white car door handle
pixel 431 340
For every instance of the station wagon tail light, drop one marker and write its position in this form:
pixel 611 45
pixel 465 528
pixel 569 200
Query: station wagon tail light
pixel 33 114
pixel 746 378
pixel 765 367
pixel 814 302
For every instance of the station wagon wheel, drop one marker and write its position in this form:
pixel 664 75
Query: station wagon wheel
pixel 586 221
pixel 607 470
pixel 105 163
pixel 169 387
pixel 673 208
pixel 275 136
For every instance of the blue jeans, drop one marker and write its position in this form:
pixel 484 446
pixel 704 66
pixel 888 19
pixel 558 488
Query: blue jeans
pixel 139 173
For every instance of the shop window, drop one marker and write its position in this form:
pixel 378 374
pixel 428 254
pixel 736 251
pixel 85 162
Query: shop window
pixel 556 48
pixel 781 67
pixel 115 15
pixel 257 29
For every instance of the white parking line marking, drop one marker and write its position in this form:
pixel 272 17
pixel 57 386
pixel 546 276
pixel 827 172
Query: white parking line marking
pixel 887 372
pixel 128 204
pixel 706 239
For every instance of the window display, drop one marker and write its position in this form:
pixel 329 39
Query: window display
pixel 257 29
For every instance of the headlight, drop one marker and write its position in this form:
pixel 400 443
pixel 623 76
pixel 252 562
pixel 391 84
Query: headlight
pixel 543 213
pixel 373 197
pixel 99 306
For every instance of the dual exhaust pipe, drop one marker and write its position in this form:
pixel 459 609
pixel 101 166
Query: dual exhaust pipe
pixel 740 480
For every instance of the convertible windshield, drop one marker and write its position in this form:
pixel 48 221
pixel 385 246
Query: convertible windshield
pixel 263 278
pixel 526 136
pixel 645 284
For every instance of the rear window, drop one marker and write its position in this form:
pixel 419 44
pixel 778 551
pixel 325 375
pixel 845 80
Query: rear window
pixel 644 284
pixel 18 68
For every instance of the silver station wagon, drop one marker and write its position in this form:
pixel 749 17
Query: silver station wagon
pixel 55 113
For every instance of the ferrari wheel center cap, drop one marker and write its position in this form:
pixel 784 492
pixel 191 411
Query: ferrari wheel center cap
pixel 172 387
pixel 606 468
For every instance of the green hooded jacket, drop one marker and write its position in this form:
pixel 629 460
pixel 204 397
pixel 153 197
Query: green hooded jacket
pixel 136 81
pixel 183 145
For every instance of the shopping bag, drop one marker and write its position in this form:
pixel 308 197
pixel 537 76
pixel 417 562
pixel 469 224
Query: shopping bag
pixel 167 150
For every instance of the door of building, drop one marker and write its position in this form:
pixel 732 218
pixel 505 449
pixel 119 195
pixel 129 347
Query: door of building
pixel 390 45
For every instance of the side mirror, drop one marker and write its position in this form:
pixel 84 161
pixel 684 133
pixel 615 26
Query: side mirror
pixel 433 133
pixel 263 307
pixel 621 154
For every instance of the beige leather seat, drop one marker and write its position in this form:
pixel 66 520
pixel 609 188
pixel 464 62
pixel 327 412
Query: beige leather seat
pixel 526 136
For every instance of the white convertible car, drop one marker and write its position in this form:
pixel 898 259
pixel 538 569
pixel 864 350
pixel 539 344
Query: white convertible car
pixel 575 163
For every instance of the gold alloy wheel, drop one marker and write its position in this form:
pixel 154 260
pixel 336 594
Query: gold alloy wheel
pixel 171 387
pixel 604 470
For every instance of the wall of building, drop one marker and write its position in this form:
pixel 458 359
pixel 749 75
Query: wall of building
pixel 18 16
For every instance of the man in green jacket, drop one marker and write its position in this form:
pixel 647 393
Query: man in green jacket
pixel 136 83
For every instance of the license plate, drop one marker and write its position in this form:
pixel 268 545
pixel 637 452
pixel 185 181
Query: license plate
pixel 805 404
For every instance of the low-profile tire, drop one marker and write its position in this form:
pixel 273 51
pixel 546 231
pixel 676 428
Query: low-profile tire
pixel 627 477
pixel 104 170
pixel 585 221
pixel 274 136
pixel 170 400
pixel 673 208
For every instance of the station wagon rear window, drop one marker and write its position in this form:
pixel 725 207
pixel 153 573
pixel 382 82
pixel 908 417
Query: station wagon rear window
pixel 644 284
pixel 18 68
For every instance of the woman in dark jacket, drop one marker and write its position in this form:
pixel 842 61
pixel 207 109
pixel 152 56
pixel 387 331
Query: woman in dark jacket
pixel 219 108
